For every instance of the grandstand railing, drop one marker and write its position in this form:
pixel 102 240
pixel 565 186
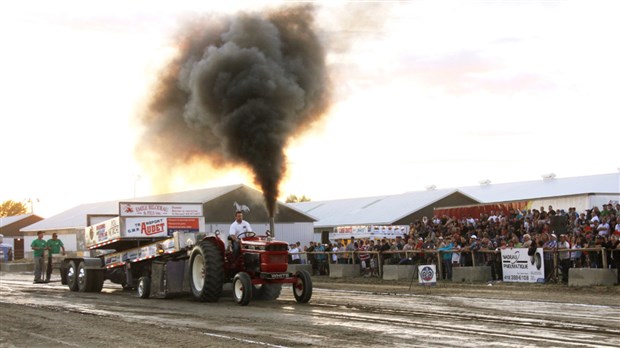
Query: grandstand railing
pixel 379 257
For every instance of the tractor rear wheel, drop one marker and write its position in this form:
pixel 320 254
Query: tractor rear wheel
pixel 72 274
pixel 302 288
pixel 268 292
pixel 206 272
pixel 242 288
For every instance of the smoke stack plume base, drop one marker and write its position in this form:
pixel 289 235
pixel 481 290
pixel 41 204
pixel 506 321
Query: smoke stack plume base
pixel 272 225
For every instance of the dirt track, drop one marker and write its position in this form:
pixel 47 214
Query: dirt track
pixel 368 313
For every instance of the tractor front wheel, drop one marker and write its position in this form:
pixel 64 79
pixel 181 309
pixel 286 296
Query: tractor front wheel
pixel 302 288
pixel 242 288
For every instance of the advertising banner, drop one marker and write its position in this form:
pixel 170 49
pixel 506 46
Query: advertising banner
pixel 145 227
pixel 141 227
pixel 475 210
pixel 519 267
pixel 160 209
pixel 105 231
pixel 183 225
pixel 427 275
pixel 368 231
pixel 112 259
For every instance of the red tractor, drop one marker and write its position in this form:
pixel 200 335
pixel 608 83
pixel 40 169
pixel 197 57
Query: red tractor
pixel 257 270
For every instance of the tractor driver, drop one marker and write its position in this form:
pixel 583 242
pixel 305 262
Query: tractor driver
pixel 238 227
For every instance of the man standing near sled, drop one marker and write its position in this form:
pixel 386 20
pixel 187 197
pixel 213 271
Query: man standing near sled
pixel 54 246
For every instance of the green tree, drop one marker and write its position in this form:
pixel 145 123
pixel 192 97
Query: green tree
pixel 12 208
pixel 295 199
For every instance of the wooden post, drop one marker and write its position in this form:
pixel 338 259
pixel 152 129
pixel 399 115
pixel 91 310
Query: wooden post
pixel 555 264
pixel 439 264
pixel 380 265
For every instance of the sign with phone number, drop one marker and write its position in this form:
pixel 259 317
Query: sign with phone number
pixel 517 277
pixel 518 266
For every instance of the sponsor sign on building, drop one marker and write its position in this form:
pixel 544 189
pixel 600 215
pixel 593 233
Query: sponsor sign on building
pixel 518 266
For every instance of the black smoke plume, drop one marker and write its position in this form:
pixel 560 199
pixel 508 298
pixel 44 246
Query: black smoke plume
pixel 238 90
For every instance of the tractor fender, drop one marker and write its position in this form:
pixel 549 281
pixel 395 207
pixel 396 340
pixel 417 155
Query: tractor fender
pixel 217 240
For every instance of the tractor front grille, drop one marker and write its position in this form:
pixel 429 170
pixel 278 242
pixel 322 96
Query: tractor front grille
pixel 277 247
pixel 278 258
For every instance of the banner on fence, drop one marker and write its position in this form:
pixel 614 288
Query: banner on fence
pixel 368 232
pixel 518 266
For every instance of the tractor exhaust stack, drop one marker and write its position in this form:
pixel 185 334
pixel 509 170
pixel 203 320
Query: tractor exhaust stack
pixel 272 225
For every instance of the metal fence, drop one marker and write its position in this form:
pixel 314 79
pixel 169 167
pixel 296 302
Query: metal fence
pixel 375 260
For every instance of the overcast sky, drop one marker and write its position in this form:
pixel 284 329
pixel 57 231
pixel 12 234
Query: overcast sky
pixel 444 93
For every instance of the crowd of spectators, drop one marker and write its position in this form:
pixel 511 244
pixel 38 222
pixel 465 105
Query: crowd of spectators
pixel 456 238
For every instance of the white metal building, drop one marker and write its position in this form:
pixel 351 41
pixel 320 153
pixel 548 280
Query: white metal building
pixel 583 192
pixel 580 192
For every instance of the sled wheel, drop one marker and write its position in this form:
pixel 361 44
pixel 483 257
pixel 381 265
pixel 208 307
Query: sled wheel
pixel 83 280
pixel 72 274
pixel 97 279
pixel 144 287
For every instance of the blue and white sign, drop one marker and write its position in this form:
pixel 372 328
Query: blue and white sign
pixel 427 275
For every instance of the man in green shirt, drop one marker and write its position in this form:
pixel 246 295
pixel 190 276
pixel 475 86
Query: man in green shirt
pixel 54 245
pixel 38 246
